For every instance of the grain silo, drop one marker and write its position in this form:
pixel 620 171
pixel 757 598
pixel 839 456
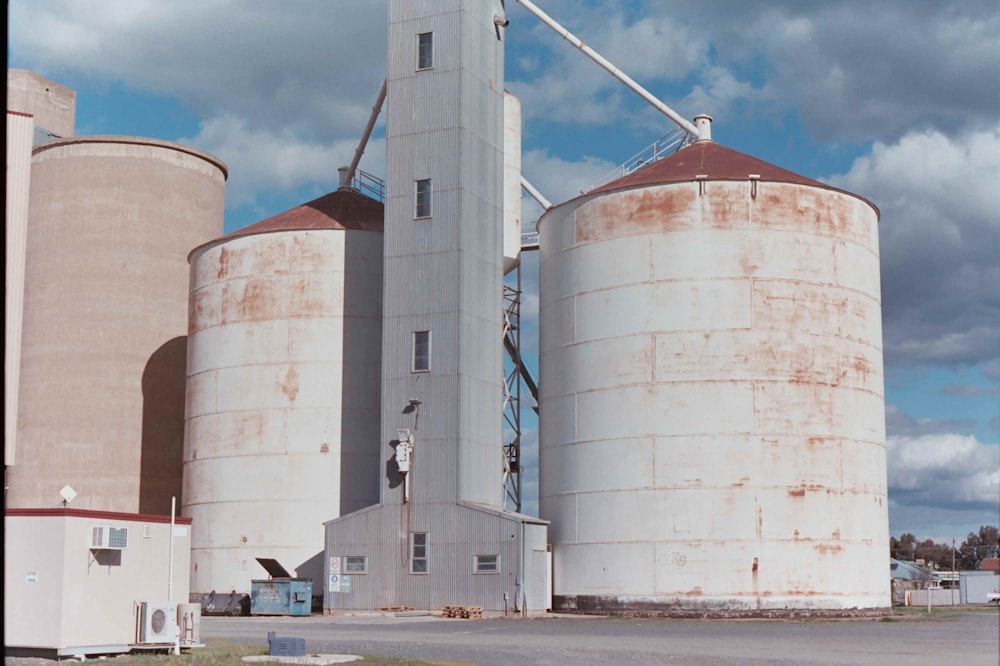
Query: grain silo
pixel 111 221
pixel 282 429
pixel 712 410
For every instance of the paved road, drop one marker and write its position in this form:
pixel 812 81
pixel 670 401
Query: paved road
pixel 967 638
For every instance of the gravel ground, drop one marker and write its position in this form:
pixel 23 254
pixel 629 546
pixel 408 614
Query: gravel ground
pixel 967 637
pixel 949 636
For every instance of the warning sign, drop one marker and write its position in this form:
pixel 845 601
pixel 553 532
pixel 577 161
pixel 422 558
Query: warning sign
pixel 335 565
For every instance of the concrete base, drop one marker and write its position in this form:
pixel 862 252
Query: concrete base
pixel 709 607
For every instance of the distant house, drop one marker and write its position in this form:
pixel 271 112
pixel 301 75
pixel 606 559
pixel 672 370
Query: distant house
pixel 905 576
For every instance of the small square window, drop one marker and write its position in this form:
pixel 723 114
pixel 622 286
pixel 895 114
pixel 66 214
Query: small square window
pixel 487 564
pixel 355 564
pixel 423 199
pixel 425 50
pixel 418 552
pixel 421 351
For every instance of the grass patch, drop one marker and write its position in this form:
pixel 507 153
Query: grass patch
pixel 232 655
pixel 216 655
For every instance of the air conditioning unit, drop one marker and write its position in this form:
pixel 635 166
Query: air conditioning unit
pixel 157 621
pixel 106 537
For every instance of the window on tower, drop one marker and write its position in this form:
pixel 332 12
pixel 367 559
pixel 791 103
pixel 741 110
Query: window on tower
pixel 421 351
pixel 425 50
pixel 423 199
pixel 418 552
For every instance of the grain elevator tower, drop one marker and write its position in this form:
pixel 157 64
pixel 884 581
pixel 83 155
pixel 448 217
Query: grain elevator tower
pixel 439 535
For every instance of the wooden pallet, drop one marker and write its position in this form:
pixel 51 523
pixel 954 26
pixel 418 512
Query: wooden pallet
pixel 395 609
pixel 463 612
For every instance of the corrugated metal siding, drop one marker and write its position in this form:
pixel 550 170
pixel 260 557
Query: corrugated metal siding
pixel 20 130
pixel 456 533
pixel 444 275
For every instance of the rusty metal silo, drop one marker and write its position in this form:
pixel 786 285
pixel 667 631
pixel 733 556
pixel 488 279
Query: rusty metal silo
pixel 111 220
pixel 282 422
pixel 712 413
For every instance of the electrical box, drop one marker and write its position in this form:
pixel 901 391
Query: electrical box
pixel 285 647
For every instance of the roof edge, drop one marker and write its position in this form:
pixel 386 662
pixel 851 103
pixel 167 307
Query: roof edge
pixel 135 140
pixel 67 512
pixel 233 235
pixel 583 197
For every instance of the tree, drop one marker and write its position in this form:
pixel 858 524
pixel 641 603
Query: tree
pixel 989 541
pixel 977 546
pixel 904 547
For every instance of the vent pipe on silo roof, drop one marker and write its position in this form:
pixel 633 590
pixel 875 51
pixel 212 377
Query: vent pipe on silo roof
pixel 703 122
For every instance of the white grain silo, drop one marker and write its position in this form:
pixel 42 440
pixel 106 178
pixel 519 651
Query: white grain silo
pixel 101 406
pixel 712 411
pixel 282 427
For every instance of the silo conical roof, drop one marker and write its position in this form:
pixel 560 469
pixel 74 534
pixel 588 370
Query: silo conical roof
pixel 341 209
pixel 711 161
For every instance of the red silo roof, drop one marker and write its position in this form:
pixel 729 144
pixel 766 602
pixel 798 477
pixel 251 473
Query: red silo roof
pixel 710 160
pixel 342 209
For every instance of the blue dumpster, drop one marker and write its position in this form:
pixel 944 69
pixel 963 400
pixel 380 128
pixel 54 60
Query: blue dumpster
pixel 281 594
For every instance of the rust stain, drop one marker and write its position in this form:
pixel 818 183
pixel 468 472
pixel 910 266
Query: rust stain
pixel 862 367
pixel 694 592
pixel 308 255
pixel 253 304
pixel 760 522
pixel 202 310
pixel 836 534
pixel 290 387
pixel 754 572
pixel 795 535
pixel 797 492
pixel 223 263
pixel 827 548
pixel 636 212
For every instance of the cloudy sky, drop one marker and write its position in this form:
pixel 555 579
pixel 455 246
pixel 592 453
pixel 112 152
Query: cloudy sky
pixel 896 101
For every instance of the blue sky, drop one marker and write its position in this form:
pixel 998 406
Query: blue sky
pixel 894 102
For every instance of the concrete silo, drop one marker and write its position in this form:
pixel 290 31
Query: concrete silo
pixel 712 409
pixel 111 221
pixel 282 423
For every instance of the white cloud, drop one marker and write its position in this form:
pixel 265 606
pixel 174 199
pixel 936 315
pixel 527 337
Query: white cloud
pixel 558 179
pixel 852 71
pixel 262 160
pixel 940 239
pixel 945 471
pixel 283 90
